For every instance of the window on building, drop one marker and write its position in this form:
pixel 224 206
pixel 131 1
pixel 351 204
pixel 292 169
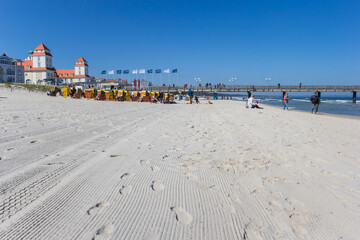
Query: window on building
pixel 28 66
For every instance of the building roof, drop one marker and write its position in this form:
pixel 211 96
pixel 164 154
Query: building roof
pixel 42 69
pixel 81 62
pixel 41 53
pixel 41 47
pixel 26 63
pixel 65 71
pixel 81 59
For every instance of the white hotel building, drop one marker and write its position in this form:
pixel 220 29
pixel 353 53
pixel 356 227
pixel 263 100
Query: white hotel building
pixel 39 69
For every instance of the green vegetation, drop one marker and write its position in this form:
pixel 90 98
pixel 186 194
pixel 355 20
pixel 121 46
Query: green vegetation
pixel 30 87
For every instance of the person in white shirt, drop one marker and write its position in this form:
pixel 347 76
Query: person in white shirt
pixel 252 103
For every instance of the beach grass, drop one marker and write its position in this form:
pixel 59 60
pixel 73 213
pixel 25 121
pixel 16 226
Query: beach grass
pixel 30 87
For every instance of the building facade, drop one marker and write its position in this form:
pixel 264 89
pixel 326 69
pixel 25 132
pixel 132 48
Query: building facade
pixel 79 74
pixel 39 69
pixel 38 66
pixel 10 71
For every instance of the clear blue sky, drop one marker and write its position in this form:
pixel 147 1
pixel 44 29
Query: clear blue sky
pixel 291 41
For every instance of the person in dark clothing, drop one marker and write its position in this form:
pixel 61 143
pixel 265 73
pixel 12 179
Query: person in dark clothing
pixel 72 91
pixel 196 99
pixel 315 100
pixel 191 95
pixel 161 96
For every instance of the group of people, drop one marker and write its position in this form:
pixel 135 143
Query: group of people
pixel 315 100
pixel 54 91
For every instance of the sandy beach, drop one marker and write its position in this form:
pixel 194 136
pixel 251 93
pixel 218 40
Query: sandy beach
pixel 85 169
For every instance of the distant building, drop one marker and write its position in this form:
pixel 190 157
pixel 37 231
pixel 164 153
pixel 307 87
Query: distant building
pixel 144 83
pixel 79 74
pixel 38 69
pixel 10 71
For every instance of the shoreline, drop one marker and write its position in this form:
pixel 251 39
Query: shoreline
pixel 296 110
pixel 319 113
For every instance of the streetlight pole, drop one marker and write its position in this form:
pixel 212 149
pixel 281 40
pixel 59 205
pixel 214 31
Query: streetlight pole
pixel 268 80
pixel 232 80
pixel 197 80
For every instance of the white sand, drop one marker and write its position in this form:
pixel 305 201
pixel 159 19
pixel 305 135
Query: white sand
pixel 84 169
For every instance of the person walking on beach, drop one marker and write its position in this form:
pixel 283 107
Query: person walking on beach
pixel 286 101
pixel 315 101
pixel 191 95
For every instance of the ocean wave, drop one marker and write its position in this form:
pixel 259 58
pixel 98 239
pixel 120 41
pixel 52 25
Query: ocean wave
pixel 300 100
pixel 271 100
pixel 333 101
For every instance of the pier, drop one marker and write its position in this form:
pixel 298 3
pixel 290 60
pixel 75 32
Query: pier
pixel 255 88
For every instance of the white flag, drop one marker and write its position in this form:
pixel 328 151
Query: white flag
pixel 167 70
pixel 111 72
pixel 142 71
pixel 134 71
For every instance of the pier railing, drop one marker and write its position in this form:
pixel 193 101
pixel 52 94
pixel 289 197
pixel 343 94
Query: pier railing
pixel 253 88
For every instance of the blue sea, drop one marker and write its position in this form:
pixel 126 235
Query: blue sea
pixel 334 103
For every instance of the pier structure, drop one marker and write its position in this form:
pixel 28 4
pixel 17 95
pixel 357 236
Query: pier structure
pixel 249 89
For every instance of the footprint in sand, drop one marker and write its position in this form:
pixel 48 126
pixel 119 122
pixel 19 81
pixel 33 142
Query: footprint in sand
pixel 297 216
pixel 189 167
pixel 144 162
pixel 191 177
pixel 234 198
pixel 229 208
pixel 104 233
pixel 97 208
pixel 152 236
pixel 181 215
pixel 157 186
pixel 127 175
pixel 55 163
pixel 154 168
pixel 125 189
pixel 327 172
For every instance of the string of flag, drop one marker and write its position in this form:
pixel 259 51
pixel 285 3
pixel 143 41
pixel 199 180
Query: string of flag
pixel 140 71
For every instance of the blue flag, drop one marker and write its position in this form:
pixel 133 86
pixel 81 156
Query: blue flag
pixel 149 71
pixel 118 72
pixel 158 71
pixel 103 72
pixel 174 70
pixel 126 72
